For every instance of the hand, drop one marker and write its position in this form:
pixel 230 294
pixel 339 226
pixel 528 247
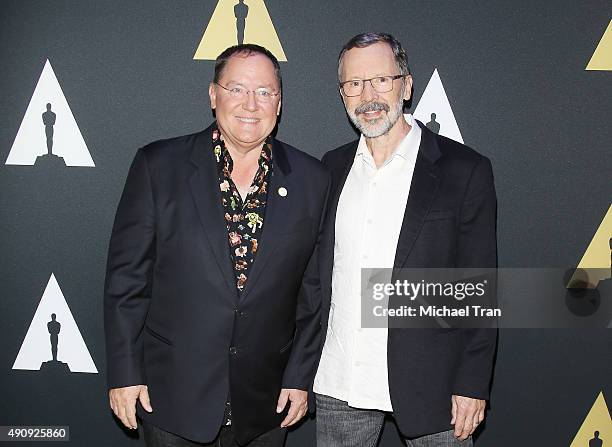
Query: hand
pixel 298 406
pixel 123 403
pixel 467 414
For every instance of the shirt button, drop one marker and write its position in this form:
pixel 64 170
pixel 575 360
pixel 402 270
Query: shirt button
pixel 233 350
pixel 369 221
pixel 357 363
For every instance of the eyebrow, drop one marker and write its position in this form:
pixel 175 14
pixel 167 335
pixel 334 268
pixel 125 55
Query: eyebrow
pixel 237 83
pixel 378 75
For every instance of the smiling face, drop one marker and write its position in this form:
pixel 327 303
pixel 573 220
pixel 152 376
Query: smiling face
pixel 245 122
pixel 373 113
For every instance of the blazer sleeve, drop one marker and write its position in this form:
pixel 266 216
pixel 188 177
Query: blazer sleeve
pixel 127 288
pixel 301 367
pixel 477 248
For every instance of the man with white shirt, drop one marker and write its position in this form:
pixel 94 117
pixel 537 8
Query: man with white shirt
pixel 402 197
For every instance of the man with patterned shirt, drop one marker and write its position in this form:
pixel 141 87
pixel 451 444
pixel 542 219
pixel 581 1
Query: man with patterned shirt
pixel 211 303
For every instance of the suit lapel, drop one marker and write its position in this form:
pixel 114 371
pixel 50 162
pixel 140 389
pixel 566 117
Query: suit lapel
pixel 277 209
pixel 423 189
pixel 339 174
pixel 207 197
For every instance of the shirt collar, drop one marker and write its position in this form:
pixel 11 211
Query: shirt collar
pixel 224 158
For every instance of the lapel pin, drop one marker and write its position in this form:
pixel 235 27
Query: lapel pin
pixel 282 191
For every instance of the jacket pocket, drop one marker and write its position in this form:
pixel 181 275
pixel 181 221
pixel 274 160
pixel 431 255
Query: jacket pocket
pixel 287 346
pixel 440 214
pixel 154 334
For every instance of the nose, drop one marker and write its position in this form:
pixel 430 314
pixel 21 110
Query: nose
pixel 250 103
pixel 368 93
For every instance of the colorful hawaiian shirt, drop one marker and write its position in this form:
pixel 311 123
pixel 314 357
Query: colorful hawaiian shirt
pixel 244 219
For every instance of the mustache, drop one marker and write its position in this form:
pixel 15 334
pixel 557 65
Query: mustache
pixel 371 107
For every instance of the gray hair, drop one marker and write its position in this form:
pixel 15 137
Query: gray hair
pixel 366 39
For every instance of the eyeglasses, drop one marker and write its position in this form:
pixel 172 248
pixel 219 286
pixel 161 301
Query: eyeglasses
pixel 380 84
pixel 262 95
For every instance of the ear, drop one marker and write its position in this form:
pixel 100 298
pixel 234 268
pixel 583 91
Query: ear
pixel 408 87
pixel 278 109
pixel 212 93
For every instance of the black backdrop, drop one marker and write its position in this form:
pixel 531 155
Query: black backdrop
pixel 515 76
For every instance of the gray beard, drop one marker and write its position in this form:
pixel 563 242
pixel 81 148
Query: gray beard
pixel 383 125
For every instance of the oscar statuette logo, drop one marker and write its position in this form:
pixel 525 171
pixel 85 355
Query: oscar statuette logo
pixel 602 56
pixel 596 429
pixel 595 265
pixel 435 111
pixel 49 135
pixel 592 278
pixel 53 343
pixel 236 22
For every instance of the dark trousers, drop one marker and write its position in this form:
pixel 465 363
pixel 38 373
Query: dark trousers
pixel 156 437
pixel 339 425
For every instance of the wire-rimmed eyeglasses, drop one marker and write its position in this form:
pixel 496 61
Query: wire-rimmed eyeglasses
pixel 380 84
pixel 263 95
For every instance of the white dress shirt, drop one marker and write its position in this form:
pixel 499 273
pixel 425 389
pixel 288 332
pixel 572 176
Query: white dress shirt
pixel 353 365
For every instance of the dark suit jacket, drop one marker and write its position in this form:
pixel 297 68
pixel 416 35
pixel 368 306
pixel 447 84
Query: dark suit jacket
pixel 449 221
pixel 173 317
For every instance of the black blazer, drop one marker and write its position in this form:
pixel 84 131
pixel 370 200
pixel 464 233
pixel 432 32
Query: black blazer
pixel 449 221
pixel 173 317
